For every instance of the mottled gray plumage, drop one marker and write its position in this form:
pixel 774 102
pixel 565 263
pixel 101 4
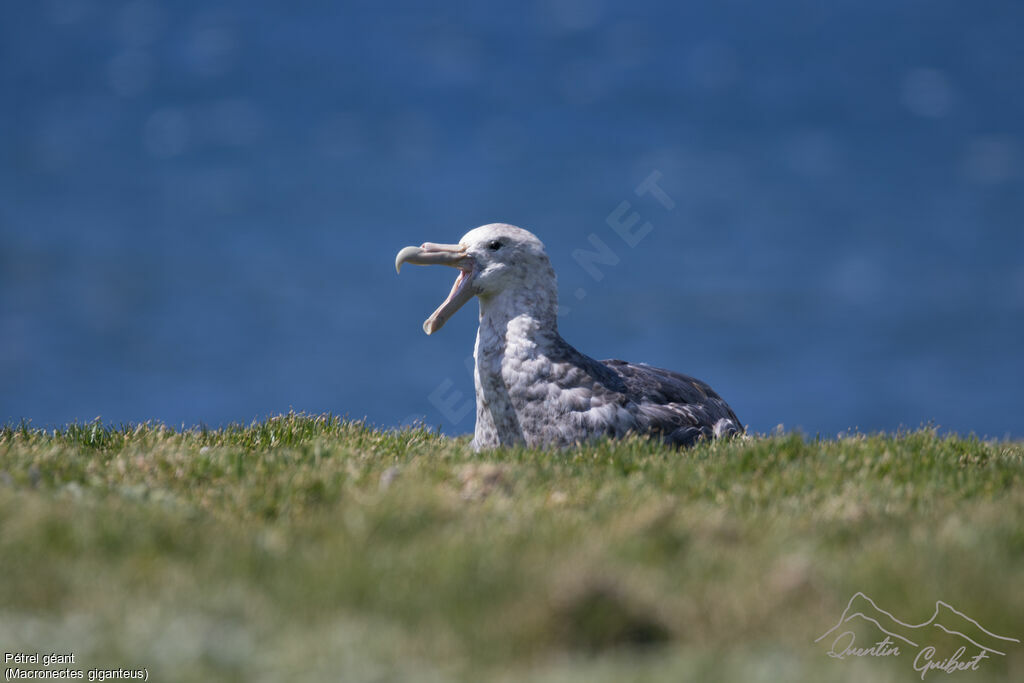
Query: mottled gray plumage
pixel 532 387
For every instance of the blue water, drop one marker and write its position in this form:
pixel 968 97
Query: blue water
pixel 200 202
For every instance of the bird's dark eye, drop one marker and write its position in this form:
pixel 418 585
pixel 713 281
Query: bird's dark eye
pixel 494 245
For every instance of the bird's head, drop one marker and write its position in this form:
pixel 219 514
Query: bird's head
pixel 491 259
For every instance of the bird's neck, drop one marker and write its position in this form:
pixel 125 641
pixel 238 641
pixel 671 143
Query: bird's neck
pixel 518 321
pixel 518 330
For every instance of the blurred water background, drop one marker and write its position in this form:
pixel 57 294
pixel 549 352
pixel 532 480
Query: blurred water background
pixel 200 202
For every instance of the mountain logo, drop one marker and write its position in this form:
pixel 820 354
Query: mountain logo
pixel 946 629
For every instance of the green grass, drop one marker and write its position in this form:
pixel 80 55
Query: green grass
pixel 311 548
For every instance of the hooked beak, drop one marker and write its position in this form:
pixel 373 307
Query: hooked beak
pixel 454 255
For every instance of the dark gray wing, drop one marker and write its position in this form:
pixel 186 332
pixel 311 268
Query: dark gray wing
pixel 677 407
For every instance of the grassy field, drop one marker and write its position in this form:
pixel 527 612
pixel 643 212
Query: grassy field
pixel 311 548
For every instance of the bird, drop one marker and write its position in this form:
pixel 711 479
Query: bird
pixel 532 387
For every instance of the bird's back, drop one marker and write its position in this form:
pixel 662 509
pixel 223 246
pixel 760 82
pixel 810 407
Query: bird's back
pixel 678 408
